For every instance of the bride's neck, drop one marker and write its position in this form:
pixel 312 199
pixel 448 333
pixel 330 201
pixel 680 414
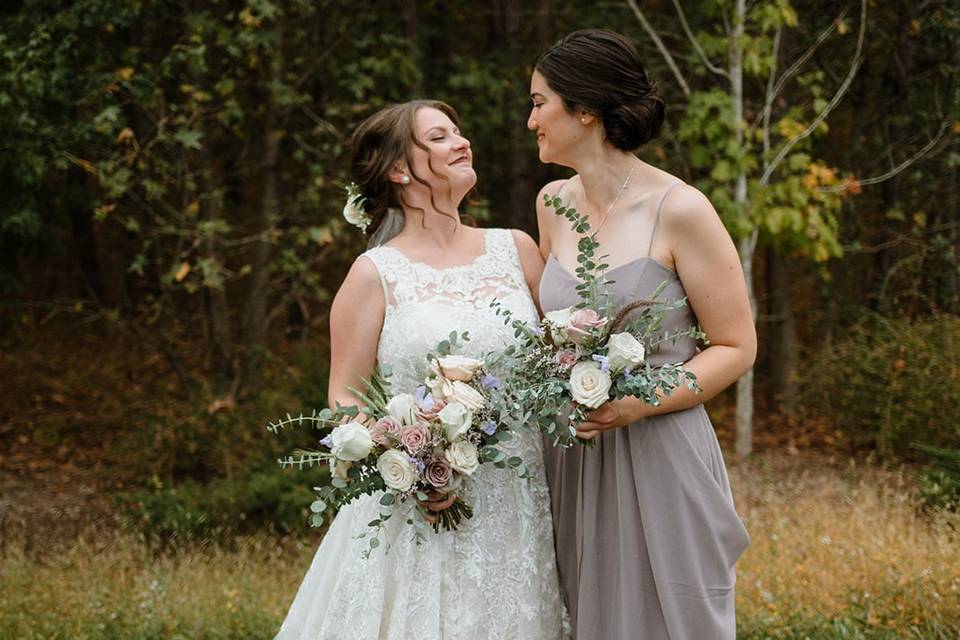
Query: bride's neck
pixel 431 227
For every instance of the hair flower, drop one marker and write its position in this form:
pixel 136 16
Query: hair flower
pixel 354 211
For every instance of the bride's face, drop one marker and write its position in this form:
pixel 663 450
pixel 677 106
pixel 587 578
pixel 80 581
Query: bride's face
pixel 446 162
pixel 558 131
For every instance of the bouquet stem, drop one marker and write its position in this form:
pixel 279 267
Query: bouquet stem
pixel 449 519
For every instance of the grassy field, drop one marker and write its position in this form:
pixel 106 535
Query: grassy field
pixel 839 551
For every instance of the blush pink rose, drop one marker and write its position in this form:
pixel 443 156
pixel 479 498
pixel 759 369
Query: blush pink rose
pixel 438 472
pixel 415 437
pixel 431 413
pixel 566 357
pixel 582 322
pixel 385 429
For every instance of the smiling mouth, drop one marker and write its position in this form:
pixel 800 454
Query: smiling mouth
pixel 463 160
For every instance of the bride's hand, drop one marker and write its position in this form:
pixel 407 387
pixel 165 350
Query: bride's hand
pixel 612 414
pixel 435 502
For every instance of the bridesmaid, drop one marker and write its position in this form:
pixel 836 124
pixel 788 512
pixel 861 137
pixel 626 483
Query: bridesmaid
pixel 646 531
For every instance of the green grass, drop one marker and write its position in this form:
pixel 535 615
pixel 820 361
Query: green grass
pixel 836 553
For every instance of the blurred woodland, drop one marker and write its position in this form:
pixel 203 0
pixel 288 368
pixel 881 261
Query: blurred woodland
pixel 170 231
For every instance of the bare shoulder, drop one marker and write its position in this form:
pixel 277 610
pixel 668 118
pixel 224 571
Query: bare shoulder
pixel 362 281
pixel 523 240
pixel 549 189
pixel 686 206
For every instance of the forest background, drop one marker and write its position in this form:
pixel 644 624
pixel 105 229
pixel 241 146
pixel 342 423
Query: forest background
pixel 170 240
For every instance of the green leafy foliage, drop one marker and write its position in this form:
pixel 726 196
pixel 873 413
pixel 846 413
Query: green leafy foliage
pixel 891 384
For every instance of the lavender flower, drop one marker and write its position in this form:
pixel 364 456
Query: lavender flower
pixel 327 442
pixel 603 360
pixel 489 427
pixel 490 381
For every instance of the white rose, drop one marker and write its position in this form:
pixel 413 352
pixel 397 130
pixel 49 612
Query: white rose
pixel 395 469
pixel 462 456
pixel 624 351
pixel 456 420
pixel 459 368
pixel 560 317
pixel 466 395
pixel 589 385
pixel 401 407
pixel 560 321
pixel 351 441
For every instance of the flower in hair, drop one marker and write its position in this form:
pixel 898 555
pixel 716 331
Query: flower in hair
pixel 354 211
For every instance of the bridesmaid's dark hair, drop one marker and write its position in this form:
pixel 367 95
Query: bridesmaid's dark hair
pixel 600 72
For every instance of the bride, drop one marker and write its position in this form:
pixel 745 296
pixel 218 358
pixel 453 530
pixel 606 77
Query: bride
pixel 425 276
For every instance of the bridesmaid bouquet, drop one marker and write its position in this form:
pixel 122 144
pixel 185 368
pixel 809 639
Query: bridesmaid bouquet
pixel 580 357
pixel 407 444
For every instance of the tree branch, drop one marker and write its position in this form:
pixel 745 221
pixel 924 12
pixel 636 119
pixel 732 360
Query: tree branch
pixel 795 67
pixel 768 106
pixel 838 96
pixel 897 169
pixel 662 47
pixel 696 44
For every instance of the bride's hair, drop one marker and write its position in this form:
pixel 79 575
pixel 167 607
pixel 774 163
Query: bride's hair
pixel 600 72
pixel 383 139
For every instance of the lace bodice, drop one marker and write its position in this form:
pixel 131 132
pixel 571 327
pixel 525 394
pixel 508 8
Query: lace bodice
pixel 495 578
pixel 424 304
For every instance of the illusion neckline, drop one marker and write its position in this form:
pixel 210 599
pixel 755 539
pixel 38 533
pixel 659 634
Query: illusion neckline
pixel 473 262
pixel 564 269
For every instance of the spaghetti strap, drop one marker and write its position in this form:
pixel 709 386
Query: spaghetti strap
pixel 656 222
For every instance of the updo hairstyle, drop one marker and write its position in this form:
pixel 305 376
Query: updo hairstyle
pixel 600 72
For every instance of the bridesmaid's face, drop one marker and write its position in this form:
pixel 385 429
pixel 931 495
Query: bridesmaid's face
pixel 558 131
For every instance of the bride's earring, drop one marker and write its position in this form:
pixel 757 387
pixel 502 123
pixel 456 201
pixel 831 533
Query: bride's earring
pixel 405 180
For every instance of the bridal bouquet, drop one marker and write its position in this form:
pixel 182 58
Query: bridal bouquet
pixel 407 444
pixel 580 357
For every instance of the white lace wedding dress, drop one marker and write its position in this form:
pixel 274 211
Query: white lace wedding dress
pixel 495 577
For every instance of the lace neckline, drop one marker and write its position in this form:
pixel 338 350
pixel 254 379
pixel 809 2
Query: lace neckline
pixel 483 254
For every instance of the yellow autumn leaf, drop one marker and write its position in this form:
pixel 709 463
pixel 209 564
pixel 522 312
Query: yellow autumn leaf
pixel 193 208
pixel 842 27
pixel 125 134
pixel 182 272
pixel 956 126
pixel 125 73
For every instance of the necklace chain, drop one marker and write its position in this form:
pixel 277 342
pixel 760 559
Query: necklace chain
pixel 606 214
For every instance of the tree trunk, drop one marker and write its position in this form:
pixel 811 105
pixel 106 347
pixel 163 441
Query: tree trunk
pixel 255 310
pixel 782 335
pixel 518 166
pixel 412 27
pixel 744 412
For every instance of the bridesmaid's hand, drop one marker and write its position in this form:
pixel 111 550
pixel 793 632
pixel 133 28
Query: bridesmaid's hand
pixel 612 414
pixel 435 502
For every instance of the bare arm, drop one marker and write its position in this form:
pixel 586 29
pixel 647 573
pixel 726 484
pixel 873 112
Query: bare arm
pixel 531 262
pixel 709 268
pixel 356 318
pixel 546 217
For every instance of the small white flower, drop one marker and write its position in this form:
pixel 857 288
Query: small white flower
pixel 401 408
pixel 395 469
pixel 456 420
pixel 624 351
pixel 463 457
pixel 354 210
pixel 351 441
pixel 589 385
